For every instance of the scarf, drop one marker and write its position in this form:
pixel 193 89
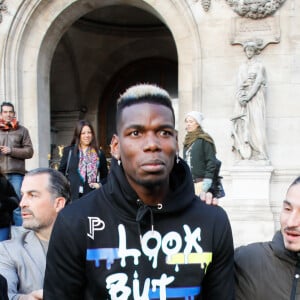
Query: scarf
pixel 88 165
pixel 6 126
pixel 192 136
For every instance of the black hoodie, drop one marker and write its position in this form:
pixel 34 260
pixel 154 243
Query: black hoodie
pixel 109 245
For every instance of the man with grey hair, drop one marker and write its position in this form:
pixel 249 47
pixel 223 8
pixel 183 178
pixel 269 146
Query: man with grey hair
pixel 45 192
pixel 144 234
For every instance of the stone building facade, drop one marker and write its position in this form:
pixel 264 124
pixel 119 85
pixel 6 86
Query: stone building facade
pixel 63 60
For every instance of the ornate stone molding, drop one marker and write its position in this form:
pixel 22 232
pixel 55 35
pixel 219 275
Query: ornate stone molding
pixel 205 4
pixel 265 31
pixel 255 9
pixel 3 7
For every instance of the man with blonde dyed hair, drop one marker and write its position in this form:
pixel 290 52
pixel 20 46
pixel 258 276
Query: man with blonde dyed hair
pixel 144 234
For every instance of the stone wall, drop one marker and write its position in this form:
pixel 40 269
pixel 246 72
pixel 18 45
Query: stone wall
pixel 208 36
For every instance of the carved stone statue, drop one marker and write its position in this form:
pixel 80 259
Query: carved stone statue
pixel 249 121
pixel 3 7
pixel 255 9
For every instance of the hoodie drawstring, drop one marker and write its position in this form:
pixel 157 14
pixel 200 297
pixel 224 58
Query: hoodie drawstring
pixel 142 211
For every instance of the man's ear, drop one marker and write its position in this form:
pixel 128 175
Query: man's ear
pixel 114 147
pixel 59 204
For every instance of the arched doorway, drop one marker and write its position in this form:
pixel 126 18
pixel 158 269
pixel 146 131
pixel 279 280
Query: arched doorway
pixel 32 38
pixel 98 57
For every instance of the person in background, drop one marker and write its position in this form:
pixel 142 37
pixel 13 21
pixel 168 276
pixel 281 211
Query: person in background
pixel 15 148
pixel 45 192
pixel 271 270
pixel 8 202
pixel 199 152
pixel 82 162
pixel 144 234
pixel 3 288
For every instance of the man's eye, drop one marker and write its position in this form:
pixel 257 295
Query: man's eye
pixel 166 133
pixel 134 133
pixel 33 195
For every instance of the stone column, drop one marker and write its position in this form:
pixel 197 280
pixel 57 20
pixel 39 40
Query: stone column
pixel 248 206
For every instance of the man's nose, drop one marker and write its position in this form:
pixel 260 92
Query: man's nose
pixel 152 142
pixel 23 201
pixel 293 220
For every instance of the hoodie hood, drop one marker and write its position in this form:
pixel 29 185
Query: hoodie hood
pixel 280 251
pixel 123 196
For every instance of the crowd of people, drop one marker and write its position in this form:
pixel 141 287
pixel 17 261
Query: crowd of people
pixel 139 230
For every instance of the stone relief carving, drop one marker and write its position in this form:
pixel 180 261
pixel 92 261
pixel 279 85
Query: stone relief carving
pixel 267 29
pixel 255 9
pixel 3 7
pixel 249 120
pixel 205 4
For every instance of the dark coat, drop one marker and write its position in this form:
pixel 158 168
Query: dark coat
pixel 266 271
pixel 3 288
pixel 73 174
pixel 8 202
pixel 203 159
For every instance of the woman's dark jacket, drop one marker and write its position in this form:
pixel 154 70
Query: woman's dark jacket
pixel 8 202
pixel 73 173
pixel 203 159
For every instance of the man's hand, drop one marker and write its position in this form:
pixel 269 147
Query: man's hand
pixel 35 295
pixel 5 150
pixel 208 198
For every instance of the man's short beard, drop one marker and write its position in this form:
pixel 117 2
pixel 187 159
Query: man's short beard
pixel 151 184
pixel 34 226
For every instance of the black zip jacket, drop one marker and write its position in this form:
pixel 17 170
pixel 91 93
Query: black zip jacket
pixel 267 271
pixel 109 245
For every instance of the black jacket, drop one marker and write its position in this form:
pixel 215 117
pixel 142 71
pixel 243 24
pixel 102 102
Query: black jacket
pixel 8 202
pixel 116 245
pixel 3 288
pixel 267 271
pixel 73 175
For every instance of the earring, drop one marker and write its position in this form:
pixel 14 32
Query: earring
pixel 177 158
pixel 119 162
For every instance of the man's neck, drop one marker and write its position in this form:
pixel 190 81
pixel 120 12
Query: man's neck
pixel 153 196
pixel 44 234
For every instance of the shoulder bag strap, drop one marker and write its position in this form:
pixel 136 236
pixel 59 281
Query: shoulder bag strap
pixel 68 162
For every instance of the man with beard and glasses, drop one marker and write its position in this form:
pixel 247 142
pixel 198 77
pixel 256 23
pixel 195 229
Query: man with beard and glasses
pixel 271 270
pixel 45 192
pixel 144 234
